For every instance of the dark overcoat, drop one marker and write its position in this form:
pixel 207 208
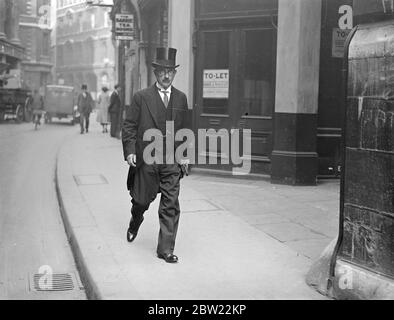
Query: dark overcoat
pixel 85 104
pixel 115 103
pixel 141 116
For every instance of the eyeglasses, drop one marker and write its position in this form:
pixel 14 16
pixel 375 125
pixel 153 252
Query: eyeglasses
pixel 163 72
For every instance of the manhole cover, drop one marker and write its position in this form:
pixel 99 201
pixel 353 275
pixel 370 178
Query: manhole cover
pixel 53 282
pixel 93 179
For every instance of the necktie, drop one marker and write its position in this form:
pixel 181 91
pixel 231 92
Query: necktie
pixel 165 100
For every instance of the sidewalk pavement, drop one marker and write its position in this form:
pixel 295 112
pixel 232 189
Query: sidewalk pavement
pixel 238 238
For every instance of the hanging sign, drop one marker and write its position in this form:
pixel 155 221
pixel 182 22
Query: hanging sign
pixel 124 26
pixel 216 84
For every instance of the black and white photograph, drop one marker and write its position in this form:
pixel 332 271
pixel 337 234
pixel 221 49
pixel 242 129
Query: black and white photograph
pixel 198 156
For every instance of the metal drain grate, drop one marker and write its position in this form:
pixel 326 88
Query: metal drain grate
pixel 52 282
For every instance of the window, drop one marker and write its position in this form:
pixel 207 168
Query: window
pixel 59 53
pixel 106 20
pixel 92 21
pixel 258 77
pixel 45 44
pixel 226 6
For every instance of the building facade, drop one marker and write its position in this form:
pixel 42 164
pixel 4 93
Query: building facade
pixel 359 264
pixel 84 48
pixel 279 67
pixel 282 60
pixel 11 49
pixel 35 36
pixel 25 43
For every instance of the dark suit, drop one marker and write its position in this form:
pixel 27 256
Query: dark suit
pixel 147 111
pixel 114 111
pixel 85 107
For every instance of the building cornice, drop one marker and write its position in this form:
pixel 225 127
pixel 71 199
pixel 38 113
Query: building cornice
pixel 37 63
pixel 10 49
pixel 34 25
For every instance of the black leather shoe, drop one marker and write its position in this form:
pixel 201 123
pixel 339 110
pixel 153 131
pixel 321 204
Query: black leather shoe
pixel 131 235
pixel 168 257
pixel 132 232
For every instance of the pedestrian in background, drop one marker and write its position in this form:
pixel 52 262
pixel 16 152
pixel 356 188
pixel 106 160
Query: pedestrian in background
pixel 152 108
pixel 103 105
pixel 28 108
pixel 85 107
pixel 114 111
pixel 37 106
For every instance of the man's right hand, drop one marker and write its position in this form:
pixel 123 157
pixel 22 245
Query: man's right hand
pixel 132 160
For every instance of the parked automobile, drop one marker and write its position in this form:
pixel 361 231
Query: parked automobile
pixel 60 103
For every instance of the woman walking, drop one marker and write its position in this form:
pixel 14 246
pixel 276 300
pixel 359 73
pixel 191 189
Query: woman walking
pixel 103 104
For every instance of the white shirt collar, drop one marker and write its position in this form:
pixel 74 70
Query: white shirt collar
pixel 169 89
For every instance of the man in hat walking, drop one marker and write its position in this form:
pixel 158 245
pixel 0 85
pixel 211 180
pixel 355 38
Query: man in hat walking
pixel 114 111
pixel 85 107
pixel 154 108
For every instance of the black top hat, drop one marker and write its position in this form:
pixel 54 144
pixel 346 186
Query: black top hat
pixel 84 87
pixel 165 57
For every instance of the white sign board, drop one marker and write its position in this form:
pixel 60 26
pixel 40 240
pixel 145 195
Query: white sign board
pixel 124 26
pixel 338 42
pixel 216 84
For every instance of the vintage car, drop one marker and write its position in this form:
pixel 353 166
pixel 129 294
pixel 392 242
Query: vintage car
pixel 60 103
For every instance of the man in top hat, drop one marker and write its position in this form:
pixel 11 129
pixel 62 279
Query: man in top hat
pixel 85 106
pixel 152 108
pixel 114 110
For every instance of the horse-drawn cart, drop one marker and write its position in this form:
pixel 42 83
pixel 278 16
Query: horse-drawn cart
pixel 12 104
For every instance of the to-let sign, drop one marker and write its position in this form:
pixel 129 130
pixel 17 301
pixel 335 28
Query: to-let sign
pixel 124 26
pixel 338 42
pixel 216 84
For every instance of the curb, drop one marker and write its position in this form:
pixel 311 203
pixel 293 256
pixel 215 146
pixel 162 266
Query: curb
pixel 91 289
pixel 100 274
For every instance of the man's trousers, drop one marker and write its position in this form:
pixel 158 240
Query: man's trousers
pixel 84 122
pixel 148 181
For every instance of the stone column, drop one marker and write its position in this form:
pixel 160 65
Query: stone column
pixel 180 37
pixel 294 157
pixel 3 18
pixel 14 22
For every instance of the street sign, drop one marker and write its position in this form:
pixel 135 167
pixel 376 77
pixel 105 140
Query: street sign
pixel 124 26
